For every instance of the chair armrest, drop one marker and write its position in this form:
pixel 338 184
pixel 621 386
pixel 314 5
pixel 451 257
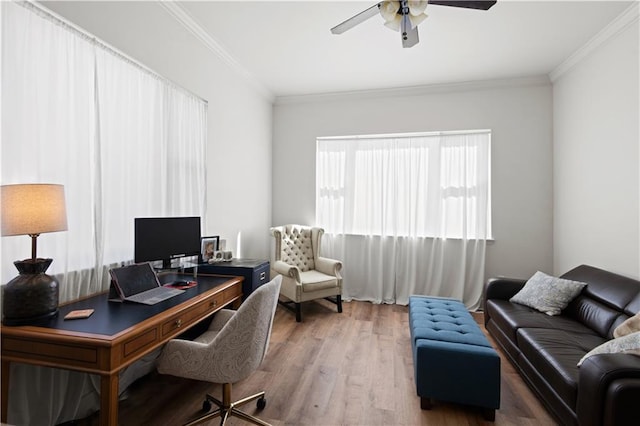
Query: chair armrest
pixel 287 270
pixel 329 266
pixel 608 387
pixel 220 319
pixel 177 355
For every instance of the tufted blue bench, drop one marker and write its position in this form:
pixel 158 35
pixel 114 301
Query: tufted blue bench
pixel 453 360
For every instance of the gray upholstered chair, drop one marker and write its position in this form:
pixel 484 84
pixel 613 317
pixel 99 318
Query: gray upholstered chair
pixel 306 275
pixel 232 348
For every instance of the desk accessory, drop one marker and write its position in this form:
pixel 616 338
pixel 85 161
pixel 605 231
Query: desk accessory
pixel 139 283
pixel 182 284
pixel 31 209
pixel 79 314
pixel 208 247
pixel 221 256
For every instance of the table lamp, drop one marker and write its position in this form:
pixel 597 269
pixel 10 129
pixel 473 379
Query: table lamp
pixel 31 209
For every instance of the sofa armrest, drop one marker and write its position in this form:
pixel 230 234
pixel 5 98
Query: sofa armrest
pixel 609 389
pixel 502 288
pixel 287 270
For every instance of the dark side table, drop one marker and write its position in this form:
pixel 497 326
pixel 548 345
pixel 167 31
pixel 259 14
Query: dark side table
pixel 254 271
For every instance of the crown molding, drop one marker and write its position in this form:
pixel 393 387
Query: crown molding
pixel 180 14
pixel 615 27
pixel 539 80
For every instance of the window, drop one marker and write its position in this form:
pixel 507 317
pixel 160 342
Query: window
pixel 417 185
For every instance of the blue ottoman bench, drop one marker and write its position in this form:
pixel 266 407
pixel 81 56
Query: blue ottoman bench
pixel 453 360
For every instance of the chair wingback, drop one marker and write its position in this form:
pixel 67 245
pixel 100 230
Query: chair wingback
pixel 295 246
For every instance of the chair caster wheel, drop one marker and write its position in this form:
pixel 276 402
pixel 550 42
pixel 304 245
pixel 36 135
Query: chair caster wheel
pixel 206 405
pixel 261 403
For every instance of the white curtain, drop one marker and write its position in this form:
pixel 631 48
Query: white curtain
pixel 122 140
pixel 407 214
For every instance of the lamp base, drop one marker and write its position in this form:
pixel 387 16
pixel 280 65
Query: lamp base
pixel 32 296
pixel 29 321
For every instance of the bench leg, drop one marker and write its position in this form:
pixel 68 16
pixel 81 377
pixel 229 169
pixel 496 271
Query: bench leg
pixel 425 403
pixel 489 414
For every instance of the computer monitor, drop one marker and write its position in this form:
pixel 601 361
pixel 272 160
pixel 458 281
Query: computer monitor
pixel 166 238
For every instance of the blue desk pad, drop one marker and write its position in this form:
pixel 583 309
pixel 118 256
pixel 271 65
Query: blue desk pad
pixel 111 318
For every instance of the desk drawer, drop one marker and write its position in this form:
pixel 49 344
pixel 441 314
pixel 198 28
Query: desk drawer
pixel 195 313
pixel 140 343
pixel 232 293
pixel 260 276
pixel 54 354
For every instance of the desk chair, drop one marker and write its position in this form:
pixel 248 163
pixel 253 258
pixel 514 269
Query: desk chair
pixel 306 275
pixel 229 351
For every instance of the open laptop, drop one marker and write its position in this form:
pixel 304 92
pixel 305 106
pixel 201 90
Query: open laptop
pixel 139 283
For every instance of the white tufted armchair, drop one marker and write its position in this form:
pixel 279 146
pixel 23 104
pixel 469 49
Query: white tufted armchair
pixel 306 275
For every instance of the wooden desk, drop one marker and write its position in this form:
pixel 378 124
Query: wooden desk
pixel 116 335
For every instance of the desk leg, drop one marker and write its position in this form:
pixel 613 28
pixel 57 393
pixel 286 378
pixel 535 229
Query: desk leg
pixel 5 390
pixel 109 400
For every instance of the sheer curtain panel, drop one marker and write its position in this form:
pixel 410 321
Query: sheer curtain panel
pixel 123 141
pixel 407 214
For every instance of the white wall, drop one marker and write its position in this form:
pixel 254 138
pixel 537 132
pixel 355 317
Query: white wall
pixel 518 112
pixel 597 160
pixel 239 120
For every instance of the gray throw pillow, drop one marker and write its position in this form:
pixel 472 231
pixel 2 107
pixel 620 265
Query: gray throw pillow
pixel 547 294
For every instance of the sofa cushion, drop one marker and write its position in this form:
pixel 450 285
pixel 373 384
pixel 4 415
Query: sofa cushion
pixel 621 293
pixel 594 314
pixel 633 306
pixel 548 294
pixel 629 344
pixel 315 281
pixel 510 317
pixel 555 353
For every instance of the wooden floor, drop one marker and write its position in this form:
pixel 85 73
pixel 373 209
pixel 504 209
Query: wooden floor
pixel 353 368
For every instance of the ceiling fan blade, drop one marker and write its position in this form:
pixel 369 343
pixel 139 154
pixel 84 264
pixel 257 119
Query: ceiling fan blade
pixel 472 4
pixel 357 19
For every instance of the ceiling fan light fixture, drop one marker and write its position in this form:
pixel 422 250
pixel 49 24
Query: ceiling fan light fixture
pixel 389 10
pixel 417 7
pixel 394 23
pixel 406 15
pixel 416 20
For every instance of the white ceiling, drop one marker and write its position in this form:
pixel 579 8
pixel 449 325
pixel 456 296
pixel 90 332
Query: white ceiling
pixel 288 48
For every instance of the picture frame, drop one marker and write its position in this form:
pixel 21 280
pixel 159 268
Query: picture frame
pixel 208 247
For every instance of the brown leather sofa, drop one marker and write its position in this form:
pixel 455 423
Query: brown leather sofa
pixel 605 389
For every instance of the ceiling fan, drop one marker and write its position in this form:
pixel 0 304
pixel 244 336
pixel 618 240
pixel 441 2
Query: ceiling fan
pixel 405 15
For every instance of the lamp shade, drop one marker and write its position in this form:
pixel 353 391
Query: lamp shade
pixel 29 209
